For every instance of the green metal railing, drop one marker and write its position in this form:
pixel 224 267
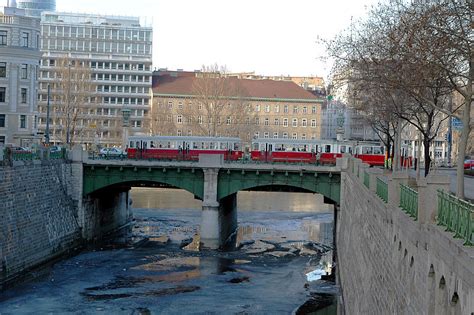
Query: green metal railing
pixel 366 179
pixel 25 156
pixel 409 201
pixel 457 216
pixel 382 190
pixel 353 169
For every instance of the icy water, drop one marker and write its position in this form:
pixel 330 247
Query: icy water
pixel 283 247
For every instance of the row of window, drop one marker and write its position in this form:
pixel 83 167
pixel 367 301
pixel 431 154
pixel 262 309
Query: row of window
pixel 120 66
pixel 22 121
pixel 23 95
pixel 23 70
pixel 87 123
pixel 100 47
pixel 106 100
pixel 180 119
pixel 24 39
pixel 265 108
pixel 266 135
pixel 122 89
pixel 121 77
pixel 96 33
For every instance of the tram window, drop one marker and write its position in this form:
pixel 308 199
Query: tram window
pixel 342 149
pixel 130 144
pixel 236 147
pixel 377 150
pixel 327 148
pixel 152 144
pixel 350 150
pixel 212 146
pixel 145 145
pixel 137 144
pixel 366 150
pixel 255 147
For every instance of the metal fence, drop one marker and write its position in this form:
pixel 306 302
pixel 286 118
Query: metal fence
pixel 457 216
pixel 409 201
pixel 382 190
pixel 366 179
pixel 39 154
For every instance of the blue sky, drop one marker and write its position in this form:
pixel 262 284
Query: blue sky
pixel 269 37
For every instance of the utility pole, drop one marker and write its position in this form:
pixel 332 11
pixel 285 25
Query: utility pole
pixel 47 117
pixel 68 101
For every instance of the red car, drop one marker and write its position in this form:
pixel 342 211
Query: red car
pixel 469 164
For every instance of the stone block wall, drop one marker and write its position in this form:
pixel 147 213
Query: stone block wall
pixel 391 264
pixel 38 219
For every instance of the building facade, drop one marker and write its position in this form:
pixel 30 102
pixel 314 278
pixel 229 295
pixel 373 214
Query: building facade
pixel 118 51
pixel 19 62
pixel 36 7
pixel 273 109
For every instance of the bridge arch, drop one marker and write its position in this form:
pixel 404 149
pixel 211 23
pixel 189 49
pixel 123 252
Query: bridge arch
pixel 98 177
pixel 324 183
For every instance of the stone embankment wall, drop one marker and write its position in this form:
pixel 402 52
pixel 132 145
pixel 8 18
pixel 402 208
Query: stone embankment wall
pixel 391 264
pixel 38 218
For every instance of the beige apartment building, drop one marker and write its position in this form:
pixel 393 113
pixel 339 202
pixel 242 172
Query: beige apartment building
pixel 264 109
pixel 19 62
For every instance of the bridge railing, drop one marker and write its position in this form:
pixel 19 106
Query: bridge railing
pixel 366 179
pixel 409 201
pixel 457 216
pixel 8 155
pixel 382 189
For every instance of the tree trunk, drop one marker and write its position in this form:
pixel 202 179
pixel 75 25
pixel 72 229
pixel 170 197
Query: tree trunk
pixel 426 144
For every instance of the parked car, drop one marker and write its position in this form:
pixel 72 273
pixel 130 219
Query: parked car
pixel 20 150
pixel 469 164
pixel 111 152
pixel 55 148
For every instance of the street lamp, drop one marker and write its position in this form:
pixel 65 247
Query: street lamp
pixel 125 124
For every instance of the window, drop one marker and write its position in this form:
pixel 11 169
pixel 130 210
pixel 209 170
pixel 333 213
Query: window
pixel 170 105
pixel 3 69
pixel 305 110
pixel 200 106
pixel 313 110
pixel 295 109
pixel 275 135
pixel 285 109
pixel 257 108
pixel 304 122
pixel 179 119
pixel 24 95
pixel 228 120
pixel 23 121
pixel 266 135
pixel 180 105
pixel 313 123
pixel 3 38
pixel 277 108
pixel 303 136
pixel 200 120
pixel 3 91
pixel 24 71
pixel 285 135
pixel 294 122
pixel 2 120
pixel 294 136
pixel 257 135
pixel 2 140
pixel 277 122
pixel 257 121
pixel 179 133
pixel 25 39
pixel 285 122
pixel 266 122
pixel 267 108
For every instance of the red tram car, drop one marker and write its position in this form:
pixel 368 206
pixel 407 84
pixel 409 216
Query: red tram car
pixel 182 148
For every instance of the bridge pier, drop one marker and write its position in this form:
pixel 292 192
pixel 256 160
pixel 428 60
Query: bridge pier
pixel 218 219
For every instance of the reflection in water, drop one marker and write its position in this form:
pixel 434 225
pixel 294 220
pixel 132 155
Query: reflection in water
pixel 164 198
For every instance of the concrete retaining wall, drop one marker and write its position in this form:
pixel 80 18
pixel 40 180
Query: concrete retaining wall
pixel 37 216
pixel 391 264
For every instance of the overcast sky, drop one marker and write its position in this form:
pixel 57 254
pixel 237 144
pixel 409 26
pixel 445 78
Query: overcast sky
pixel 269 37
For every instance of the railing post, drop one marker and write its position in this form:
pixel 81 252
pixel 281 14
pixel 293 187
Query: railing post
pixel 428 196
pixel 394 182
pixel 357 163
pixel 343 162
pixel 373 174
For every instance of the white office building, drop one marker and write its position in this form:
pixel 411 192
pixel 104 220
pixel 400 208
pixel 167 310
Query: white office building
pixel 19 63
pixel 119 53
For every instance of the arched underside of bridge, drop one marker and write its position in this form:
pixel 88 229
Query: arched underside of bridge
pixel 326 184
pixel 97 178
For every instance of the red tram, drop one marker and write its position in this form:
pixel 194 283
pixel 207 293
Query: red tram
pixel 182 148
pixel 265 150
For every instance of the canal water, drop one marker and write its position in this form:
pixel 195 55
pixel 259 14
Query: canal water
pixel 282 258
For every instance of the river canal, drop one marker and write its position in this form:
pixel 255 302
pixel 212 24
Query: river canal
pixel 284 246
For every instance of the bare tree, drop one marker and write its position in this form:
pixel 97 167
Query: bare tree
pixel 72 94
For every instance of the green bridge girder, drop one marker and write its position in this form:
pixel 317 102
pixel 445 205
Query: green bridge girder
pixel 325 183
pixel 97 177
pixel 230 181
